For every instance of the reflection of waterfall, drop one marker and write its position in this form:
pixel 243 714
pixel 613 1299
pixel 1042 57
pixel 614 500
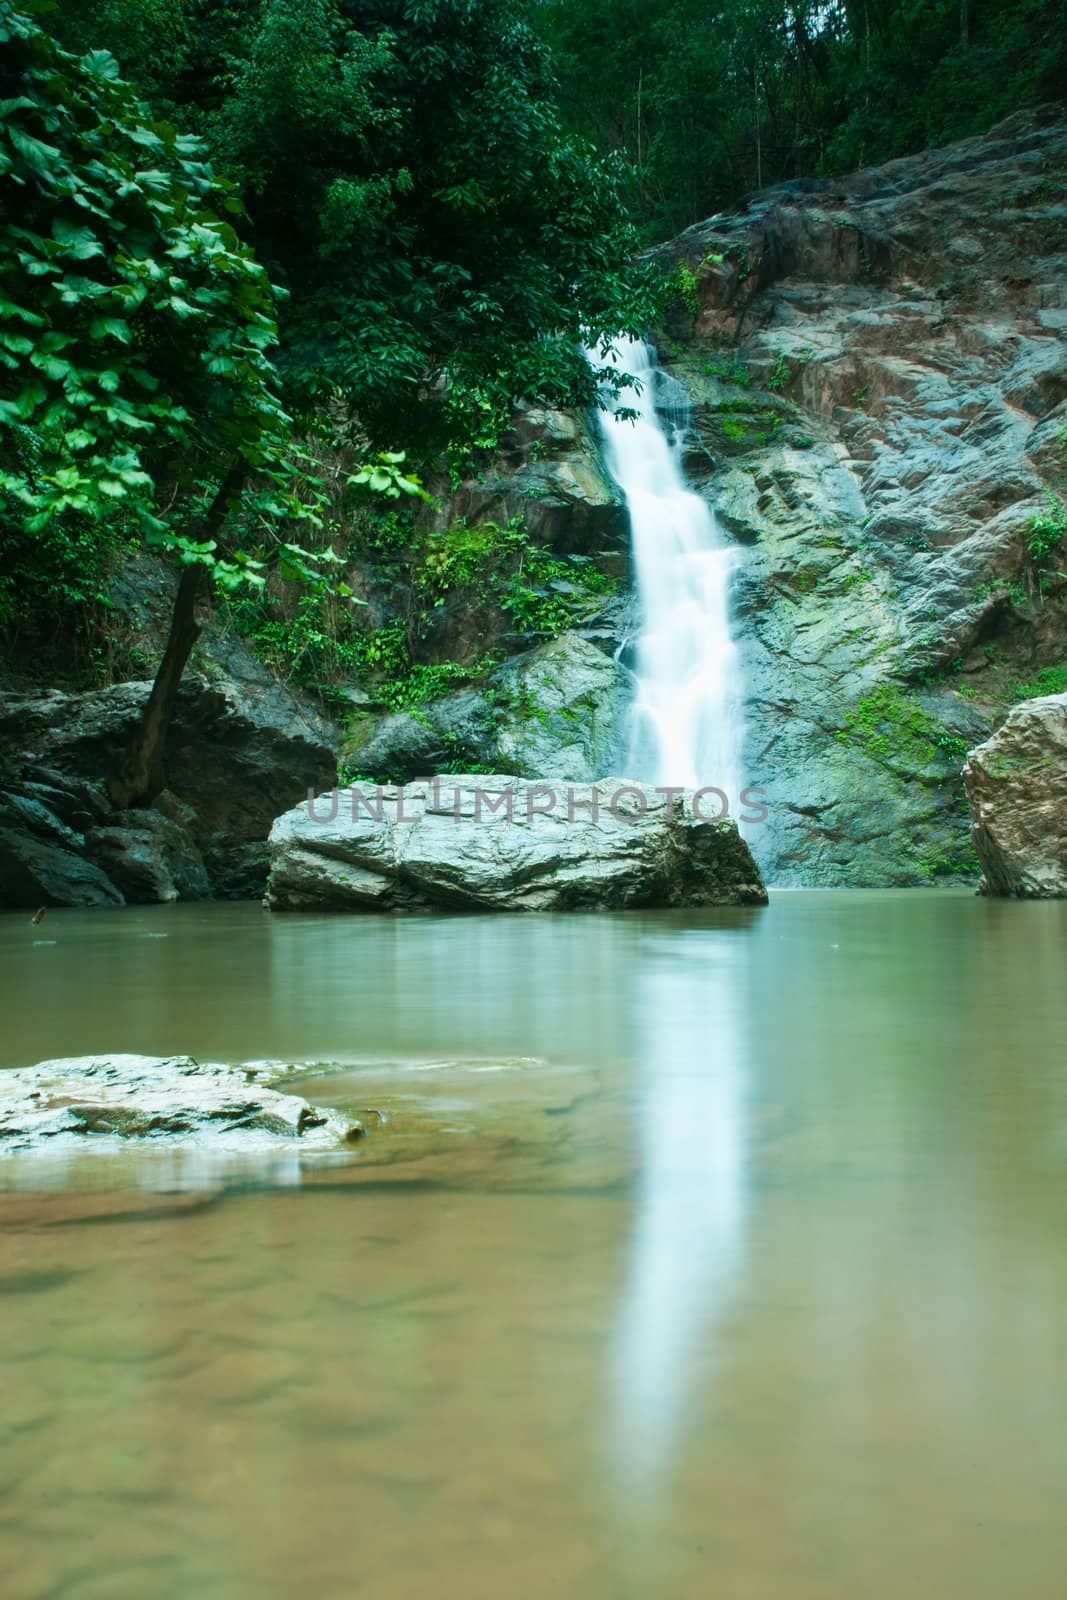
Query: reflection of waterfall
pixel 687 719
pixel 687 1239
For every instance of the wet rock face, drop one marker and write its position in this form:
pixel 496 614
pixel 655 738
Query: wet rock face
pixel 879 377
pixel 35 873
pixel 557 712
pixel 497 843
pixel 98 1102
pixel 150 857
pixel 238 752
pixel 43 855
pixel 550 474
pixel 1017 787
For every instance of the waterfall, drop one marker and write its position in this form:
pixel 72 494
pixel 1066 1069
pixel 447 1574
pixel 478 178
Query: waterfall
pixel 687 724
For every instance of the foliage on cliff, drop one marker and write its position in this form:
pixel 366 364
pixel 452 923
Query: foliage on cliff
pixel 135 325
pixel 443 247
pixel 710 102
pixel 443 606
pixel 446 246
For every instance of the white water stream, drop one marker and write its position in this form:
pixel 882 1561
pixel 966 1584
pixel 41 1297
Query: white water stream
pixel 687 723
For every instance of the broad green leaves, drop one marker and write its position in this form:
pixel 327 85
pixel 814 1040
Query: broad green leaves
pixel 384 476
pixel 133 320
pixel 447 247
pixel 101 64
pixel 443 241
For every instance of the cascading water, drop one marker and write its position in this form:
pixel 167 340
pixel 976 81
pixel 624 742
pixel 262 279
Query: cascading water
pixel 687 724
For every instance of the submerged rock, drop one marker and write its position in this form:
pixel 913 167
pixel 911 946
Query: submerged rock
pixel 81 1102
pixel 498 843
pixel 1017 786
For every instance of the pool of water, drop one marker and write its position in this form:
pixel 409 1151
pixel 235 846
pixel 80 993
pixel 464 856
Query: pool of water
pixel 689 1254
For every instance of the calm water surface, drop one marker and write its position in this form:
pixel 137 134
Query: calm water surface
pixel 717 1254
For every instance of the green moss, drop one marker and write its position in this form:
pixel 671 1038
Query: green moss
pixel 1003 766
pixel 781 374
pixel 738 422
pixel 805 581
pixel 1013 591
pixel 954 862
pixel 728 369
pixel 1050 680
pixel 463 569
pixel 892 726
pixel 520 704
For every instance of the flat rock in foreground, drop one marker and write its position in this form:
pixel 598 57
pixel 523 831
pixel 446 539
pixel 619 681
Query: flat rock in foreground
pixel 1017 786
pixel 498 843
pixel 98 1102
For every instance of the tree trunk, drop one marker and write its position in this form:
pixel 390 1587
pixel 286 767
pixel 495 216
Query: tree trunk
pixel 140 775
pixel 640 87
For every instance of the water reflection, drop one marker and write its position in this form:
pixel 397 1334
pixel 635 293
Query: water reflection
pixel 755 1282
pixel 687 1240
pixel 190 1170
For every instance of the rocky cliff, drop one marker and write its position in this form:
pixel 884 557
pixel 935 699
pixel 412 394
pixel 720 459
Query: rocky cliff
pixel 878 381
pixel 879 376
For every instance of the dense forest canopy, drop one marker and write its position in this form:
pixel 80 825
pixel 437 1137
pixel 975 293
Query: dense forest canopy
pixel 420 179
pixel 409 185
pixel 708 102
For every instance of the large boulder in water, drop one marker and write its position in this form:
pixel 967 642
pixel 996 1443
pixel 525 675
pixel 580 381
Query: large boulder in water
pixel 500 843
pixel 1017 786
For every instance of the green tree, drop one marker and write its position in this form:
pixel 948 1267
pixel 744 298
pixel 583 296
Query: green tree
pixel 134 329
pixel 446 245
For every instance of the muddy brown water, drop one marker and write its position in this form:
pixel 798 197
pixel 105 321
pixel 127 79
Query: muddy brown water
pixel 686 1255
